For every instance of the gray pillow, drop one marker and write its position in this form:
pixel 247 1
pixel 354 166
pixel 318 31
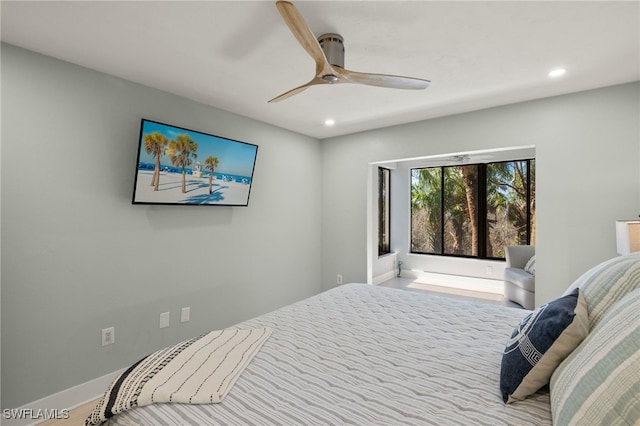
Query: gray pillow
pixel 530 267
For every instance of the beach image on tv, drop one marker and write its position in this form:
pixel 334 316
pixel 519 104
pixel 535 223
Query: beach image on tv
pixel 180 166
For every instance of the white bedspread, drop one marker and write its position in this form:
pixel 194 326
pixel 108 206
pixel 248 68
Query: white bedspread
pixel 366 355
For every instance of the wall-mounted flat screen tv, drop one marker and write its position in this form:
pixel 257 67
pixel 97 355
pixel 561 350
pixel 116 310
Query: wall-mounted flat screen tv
pixel 181 166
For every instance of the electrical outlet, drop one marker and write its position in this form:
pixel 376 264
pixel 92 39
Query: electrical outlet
pixel 108 336
pixel 185 314
pixel 164 319
pixel 339 279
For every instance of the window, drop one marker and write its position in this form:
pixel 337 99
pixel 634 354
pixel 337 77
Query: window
pixel 426 210
pixel 384 180
pixel 473 210
pixel 510 205
pixel 460 197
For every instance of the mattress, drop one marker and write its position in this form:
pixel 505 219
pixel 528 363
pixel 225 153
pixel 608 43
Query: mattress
pixel 367 355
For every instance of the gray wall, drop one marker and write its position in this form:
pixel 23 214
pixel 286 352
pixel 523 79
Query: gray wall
pixel 587 171
pixel 78 257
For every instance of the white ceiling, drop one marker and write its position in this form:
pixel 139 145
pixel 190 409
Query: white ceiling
pixel 236 55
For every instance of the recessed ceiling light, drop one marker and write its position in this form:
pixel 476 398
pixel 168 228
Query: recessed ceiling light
pixel 558 72
pixel 329 122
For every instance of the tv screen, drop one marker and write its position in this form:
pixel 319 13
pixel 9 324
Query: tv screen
pixel 181 166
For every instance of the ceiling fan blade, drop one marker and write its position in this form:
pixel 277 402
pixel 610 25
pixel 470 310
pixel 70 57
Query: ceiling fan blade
pixel 383 80
pixel 303 34
pixel 298 89
pixel 332 47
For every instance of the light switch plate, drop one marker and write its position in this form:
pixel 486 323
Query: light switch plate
pixel 185 314
pixel 164 319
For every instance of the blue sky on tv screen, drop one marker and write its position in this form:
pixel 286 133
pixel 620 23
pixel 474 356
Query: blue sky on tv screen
pixel 236 158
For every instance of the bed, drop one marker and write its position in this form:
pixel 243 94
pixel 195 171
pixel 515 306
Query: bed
pixel 368 355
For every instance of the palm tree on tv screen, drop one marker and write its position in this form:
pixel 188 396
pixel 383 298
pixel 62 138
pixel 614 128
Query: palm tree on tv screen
pixel 210 164
pixel 182 152
pixel 155 144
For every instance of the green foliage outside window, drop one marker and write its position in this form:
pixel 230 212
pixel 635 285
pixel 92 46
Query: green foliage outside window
pixel 473 210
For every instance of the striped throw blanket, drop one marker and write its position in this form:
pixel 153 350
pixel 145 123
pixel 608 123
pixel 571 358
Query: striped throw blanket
pixel 201 370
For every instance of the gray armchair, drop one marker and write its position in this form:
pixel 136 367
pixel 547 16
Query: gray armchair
pixel 519 285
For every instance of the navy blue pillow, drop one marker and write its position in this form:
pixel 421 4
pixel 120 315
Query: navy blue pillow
pixel 541 341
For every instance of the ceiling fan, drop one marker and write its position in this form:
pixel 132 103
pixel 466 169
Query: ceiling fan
pixel 328 53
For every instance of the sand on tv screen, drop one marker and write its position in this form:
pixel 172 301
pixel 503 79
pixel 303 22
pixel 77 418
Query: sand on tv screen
pixel 181 166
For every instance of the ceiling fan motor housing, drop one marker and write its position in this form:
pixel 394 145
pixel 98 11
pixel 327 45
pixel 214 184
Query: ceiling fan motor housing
pixel 333 48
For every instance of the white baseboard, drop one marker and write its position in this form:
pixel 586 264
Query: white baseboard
pixel 384 277
pixel 58 403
